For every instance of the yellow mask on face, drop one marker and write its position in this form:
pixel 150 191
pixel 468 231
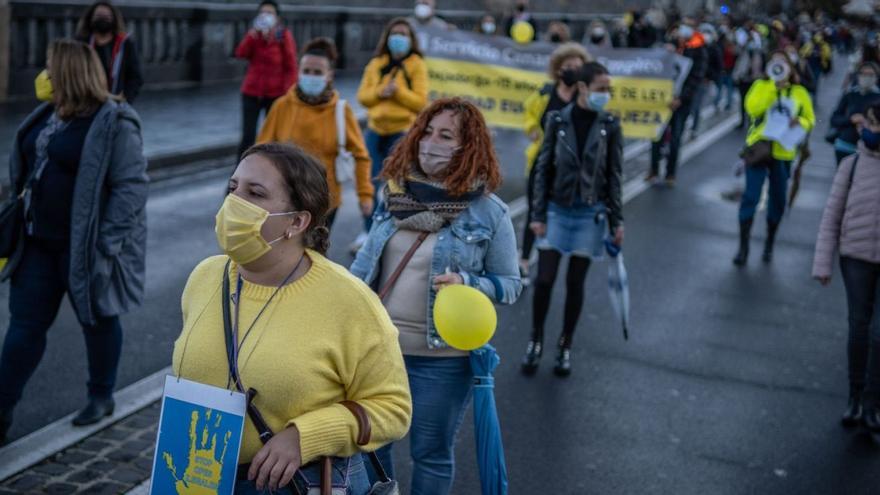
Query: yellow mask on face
pixel 43 86
pixel 238 225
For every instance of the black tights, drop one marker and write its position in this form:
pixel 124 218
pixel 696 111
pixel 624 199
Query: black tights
pixel 548 266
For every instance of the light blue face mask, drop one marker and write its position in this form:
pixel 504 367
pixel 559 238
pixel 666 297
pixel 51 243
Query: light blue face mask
pixel 399 44
pixel 311 85
pixel 598 101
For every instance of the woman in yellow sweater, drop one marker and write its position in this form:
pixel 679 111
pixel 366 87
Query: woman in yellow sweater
pixel 394 89
pixel 312 335
pixel 306 116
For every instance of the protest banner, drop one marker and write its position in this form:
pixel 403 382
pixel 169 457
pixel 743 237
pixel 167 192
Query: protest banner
pixel 498 74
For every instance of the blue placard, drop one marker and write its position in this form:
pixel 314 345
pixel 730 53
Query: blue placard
pixel 199 439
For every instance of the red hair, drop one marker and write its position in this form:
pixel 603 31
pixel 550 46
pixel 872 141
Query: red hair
pixel 475 161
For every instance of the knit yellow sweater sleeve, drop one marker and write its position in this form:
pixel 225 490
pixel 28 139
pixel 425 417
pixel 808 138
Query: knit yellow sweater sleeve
pixel 323 339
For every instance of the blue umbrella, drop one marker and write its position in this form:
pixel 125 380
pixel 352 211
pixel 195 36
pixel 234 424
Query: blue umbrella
pixel 490 449
pixel 618 286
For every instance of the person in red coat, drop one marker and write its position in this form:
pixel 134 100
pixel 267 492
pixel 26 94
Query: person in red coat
pixel 270 51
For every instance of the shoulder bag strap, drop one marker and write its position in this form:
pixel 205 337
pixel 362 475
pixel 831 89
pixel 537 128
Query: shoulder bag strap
pixel 383 292
pixel 340 125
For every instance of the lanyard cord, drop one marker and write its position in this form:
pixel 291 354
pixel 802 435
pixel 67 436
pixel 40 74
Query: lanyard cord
pixel 236 347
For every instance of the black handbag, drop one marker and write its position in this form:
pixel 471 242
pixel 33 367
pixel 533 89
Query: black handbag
pixel 758 153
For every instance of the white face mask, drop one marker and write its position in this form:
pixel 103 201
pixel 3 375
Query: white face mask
pixel 488 27
pixel 423 11
pixel 867 81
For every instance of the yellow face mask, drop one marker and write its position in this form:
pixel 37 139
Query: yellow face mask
pixel 238 229
pixel 43 86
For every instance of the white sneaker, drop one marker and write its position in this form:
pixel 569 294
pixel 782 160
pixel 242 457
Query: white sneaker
pixel 359 241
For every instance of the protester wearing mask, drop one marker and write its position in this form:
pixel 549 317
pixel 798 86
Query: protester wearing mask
pixel 851 227
pixel 80 156
pixel 848 119
pixel 597 35
pixel 487 25
pixel 779 93
pixel 270 50
pixel 749 65
pixel 103 28
pixel 688 43
pixel 817 52
pixel 558 32
pixel 308 336
pixel 565 64
pixel 307 116
pixel 424 14
pixel 641 34
pixel 394 89
pixel 440 208
pixel 576 204
pixel 714 61
pixel 803 70
pixel 521 14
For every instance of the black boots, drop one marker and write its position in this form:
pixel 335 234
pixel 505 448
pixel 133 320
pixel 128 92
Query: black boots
pixel 563 362
pixel 533 356
pixel 852 416
pixel 745 232
pixel 96 410
pixel 872 420
pixel 768 244
pixel 5 424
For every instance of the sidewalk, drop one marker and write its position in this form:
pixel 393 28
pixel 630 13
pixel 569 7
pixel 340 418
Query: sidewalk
pixel 179 126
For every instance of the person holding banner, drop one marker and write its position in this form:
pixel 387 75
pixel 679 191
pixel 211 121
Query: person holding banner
pixel 565 63
pixel 305 335
pixel 691 44
pixel 439 225
pixel 778 106
pixel 394 89
pixel 312 115
pixel 577 202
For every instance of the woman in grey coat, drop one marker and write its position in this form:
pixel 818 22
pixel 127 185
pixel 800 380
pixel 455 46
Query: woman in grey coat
pixel 84 227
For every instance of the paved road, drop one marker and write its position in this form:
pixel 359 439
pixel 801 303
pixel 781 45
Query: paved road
pixel 732 381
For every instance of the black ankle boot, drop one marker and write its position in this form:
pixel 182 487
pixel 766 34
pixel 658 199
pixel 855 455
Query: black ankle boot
pixel 95 410
pixel 745 232
pixel 853 414
pixel 5 424
pixel 872 418
pixel 768 244
pixel 563 362
pixel 532 357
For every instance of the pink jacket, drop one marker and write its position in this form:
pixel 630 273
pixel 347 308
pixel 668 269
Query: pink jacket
pixel 851 222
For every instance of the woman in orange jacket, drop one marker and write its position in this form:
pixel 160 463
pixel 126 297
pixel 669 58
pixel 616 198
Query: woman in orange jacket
pixel 306 116
pixel 394 89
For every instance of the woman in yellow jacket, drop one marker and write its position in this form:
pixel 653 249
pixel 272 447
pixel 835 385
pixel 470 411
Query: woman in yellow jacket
pixel 778 93
pixel 565 62
pixel 308 336
pixel 306 116
pixel 394 89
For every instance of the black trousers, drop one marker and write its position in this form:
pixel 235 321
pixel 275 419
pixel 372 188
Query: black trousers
pixel 862 281
pixel 251 106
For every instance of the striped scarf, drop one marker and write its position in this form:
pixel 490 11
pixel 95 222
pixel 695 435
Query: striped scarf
pixel 425 206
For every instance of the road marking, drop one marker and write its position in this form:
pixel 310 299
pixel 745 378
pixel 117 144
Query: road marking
pixel 59 435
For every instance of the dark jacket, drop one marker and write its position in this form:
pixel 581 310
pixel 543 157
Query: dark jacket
pixel 714 62
pixel 272 67
pixel 641 36
pixel 108 237
pixel 851 103
pixel 125 76
pixel 700 58
pixel 566 177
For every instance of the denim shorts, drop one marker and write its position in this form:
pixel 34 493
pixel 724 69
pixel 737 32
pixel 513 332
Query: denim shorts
pixel 577 230
pixel 349 475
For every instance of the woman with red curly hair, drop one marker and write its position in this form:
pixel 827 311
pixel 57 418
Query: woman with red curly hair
pixel 439 225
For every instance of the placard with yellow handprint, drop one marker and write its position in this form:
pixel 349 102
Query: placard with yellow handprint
pixel 200 430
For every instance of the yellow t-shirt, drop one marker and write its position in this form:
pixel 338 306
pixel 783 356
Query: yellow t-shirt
pixel 323 339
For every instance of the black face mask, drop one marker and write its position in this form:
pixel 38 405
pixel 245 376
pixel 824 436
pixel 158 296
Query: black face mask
pixel 596 39
pixel 520 8
pixel 555 38
pixel 569 77
pixel 102 25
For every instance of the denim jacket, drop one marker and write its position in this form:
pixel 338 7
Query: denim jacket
pixel 480 245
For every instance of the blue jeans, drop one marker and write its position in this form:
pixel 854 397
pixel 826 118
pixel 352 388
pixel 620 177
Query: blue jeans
pixel 441 390
pixel 357 481
pixel 38 286
pixel 778 172
pixel 726 82
pixel 697 104
pixel 379 147
pixel 862 281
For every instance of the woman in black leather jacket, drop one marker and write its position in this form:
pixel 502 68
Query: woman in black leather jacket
pixel 577 200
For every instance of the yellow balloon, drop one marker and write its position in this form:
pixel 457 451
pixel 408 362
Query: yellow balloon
pixel 522 32
pixel 464 317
